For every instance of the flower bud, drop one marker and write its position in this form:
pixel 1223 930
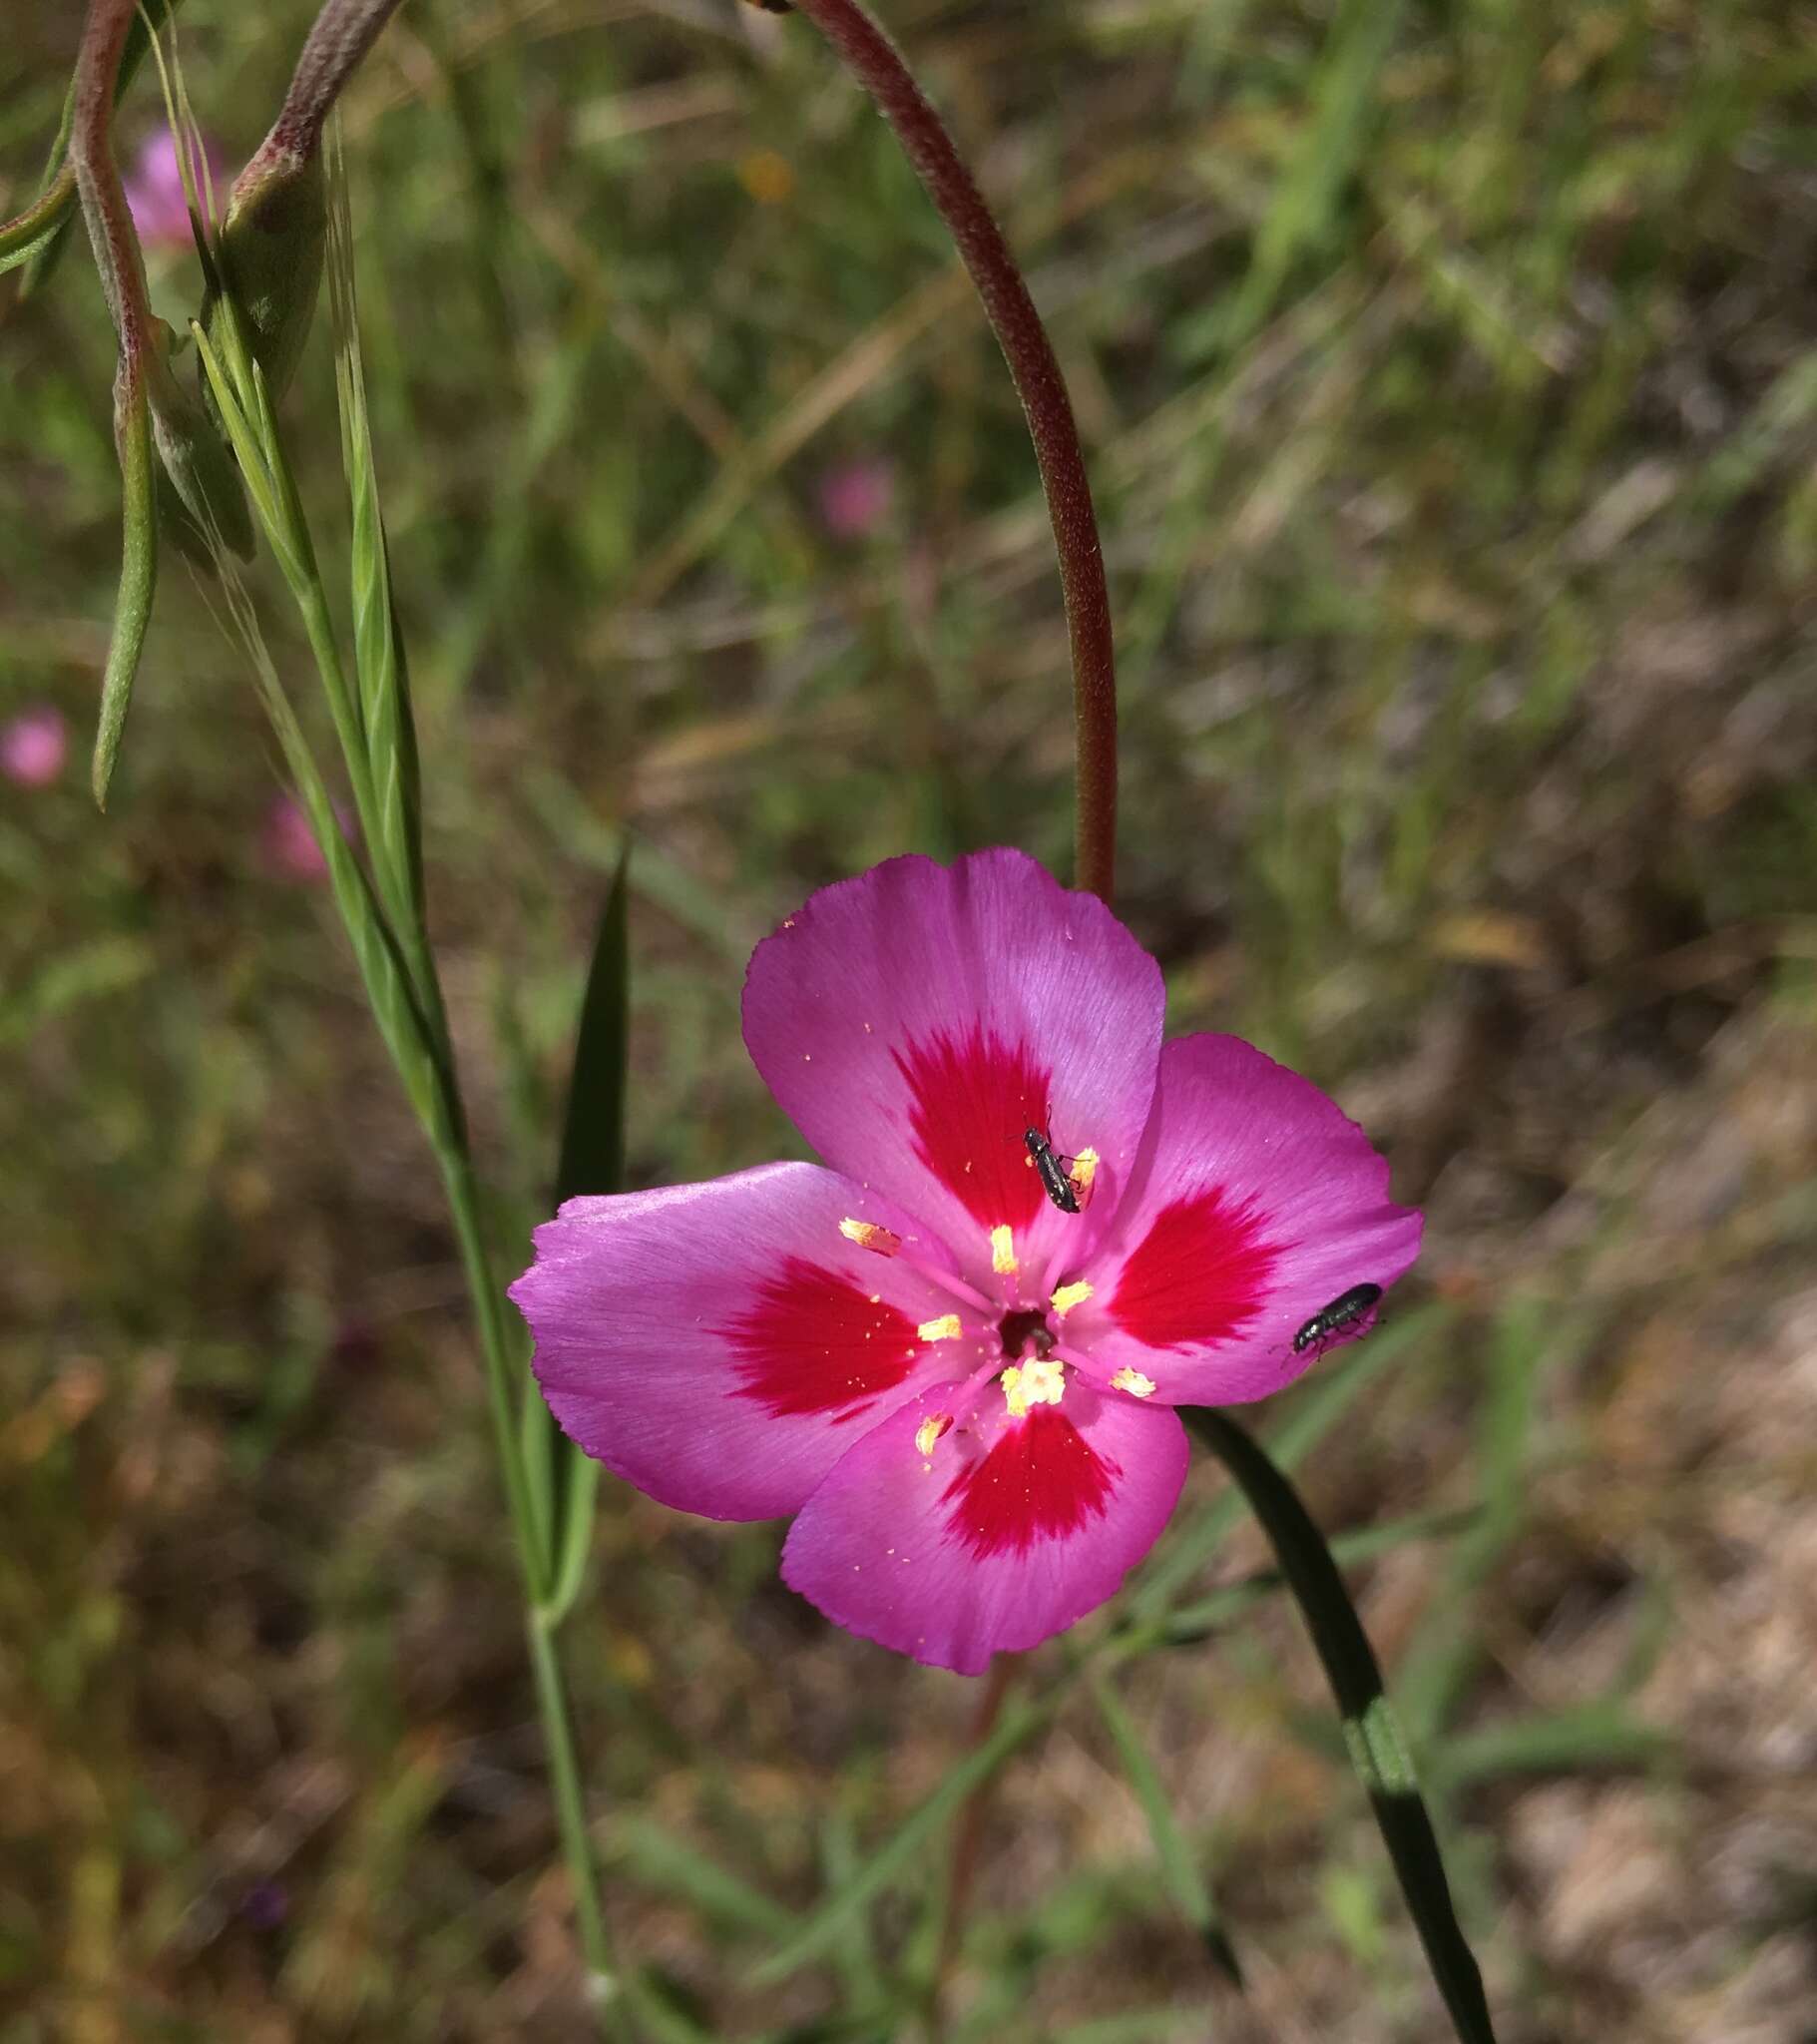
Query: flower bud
pixel 269 255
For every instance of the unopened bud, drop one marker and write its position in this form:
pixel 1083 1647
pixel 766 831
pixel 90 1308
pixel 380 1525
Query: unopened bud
pixel 269 257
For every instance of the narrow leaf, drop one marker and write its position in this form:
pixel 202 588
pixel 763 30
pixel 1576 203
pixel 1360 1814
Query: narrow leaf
pixel 592 1128
pixel 661 1860
pixel 1370 1732
pixel 592 1161
pixel 1598 1737
pixel 828 1924
pixel 138 572
pixel 1180 1868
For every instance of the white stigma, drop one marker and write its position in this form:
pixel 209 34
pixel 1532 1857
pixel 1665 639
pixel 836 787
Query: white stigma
pixel 1038 1382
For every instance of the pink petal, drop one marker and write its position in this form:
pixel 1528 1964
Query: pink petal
pixel 915 1021
pixel 721 1345
pixel 1005 1532
pixel 1257 1202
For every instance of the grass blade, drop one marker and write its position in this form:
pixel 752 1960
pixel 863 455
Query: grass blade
pixel 563 1480
pixel 1370 1730
pixel 663 1861
pixel 138 573
pixel 1178 1866
pixel 1595 1739
pixel 827 1926
pixel 378 651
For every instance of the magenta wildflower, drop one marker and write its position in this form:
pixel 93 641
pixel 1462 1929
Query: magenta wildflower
pixel 154 194
pixel 34 745
pixel 286 845
pixel 855 497
pixel 961 1390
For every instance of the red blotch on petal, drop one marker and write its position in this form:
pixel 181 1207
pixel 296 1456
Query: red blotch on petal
pixel 1041 1482
pixel 1198 1275
pixel 814 1343
pixel 972 1100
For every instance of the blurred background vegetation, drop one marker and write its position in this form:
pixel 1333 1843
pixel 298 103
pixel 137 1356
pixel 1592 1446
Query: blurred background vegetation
pixel 1447 377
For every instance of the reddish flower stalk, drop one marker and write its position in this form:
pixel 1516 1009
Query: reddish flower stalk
pixel 874 61
pixel 334 50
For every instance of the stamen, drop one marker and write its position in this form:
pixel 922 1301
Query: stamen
pixel 886 1241
pixel 868 1235
pixel 1003 1251
pixel 944 1328
pixel 1070 1295
pixel 1039 1382
pixel 1084 1170
pixel 1132 1381
pixel 929 1431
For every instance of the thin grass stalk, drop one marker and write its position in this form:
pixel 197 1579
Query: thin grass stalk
pixel 384 921
pixel 878 65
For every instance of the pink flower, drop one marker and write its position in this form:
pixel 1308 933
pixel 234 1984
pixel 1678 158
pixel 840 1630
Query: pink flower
pixel 155 194
pixel 961 1390
pixel 286 845
pixel 34 746
pixel 855 497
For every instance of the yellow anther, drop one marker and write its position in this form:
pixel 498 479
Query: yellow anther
pixel 1084 1170
pixel 1132 1381
pixel 1070 1295
pixel 946 1329
pixel 930 1431
pixel 1003 1251
pixel 1039 1382
pixel 868 1235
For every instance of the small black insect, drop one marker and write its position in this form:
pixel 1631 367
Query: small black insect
pixel 1053 1180
pixel 1331 1320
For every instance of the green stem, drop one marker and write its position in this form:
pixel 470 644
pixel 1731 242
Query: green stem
pixel 495 1351
pixel 571 1816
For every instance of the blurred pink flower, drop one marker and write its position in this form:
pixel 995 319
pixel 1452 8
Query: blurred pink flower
pixel 154 190
pixel 855 497
pixel 286 845
pixel 34 745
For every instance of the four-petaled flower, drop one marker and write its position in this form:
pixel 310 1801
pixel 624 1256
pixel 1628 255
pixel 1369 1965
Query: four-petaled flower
pixel 962 1391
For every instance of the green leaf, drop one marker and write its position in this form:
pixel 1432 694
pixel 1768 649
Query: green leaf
pixel 1370 1732
pixel 564 1482
pixel 661 1860
pixel 1597 1738
pixel 138 572
pixel 592 1128
pixel 1178 1866
pixel 824 1928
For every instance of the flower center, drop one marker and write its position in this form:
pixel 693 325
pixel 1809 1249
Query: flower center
pixel 1024 1328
